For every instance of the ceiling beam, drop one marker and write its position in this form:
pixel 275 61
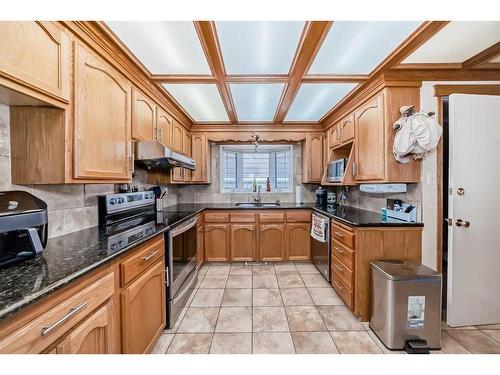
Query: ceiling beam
pixel 482 57
pixel 257 78
pixel 210 43
pixel 312 37
pixel 335 78
pixel 183 78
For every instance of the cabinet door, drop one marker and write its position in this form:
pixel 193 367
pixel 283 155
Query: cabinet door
pixel 217 242
pixel 243 242
pixel 36 55
pixel 200 245
pixel 95 335
pixel 347 128
pixel 314 158
pixel 272 242
pixel 143 116
pixel 370 140
pixel 177 136
pixel 102 119
pixel 298 239
pixel 143 311
pixel 334 135
pixel 200 156
pixel 187 151
pixel 177 175
pixel 163 127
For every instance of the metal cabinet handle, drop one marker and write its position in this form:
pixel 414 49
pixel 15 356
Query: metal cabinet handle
pixel 338 234
pixel 150 255
pixel 72 312
pixel 463 223
pixel 337 285
pixel 339 249
pixel 354 168
pixel 339 268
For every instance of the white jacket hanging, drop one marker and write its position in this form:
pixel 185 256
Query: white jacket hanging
pixel 416 135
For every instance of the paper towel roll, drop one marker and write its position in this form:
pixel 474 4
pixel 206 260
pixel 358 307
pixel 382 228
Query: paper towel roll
pixel 298 195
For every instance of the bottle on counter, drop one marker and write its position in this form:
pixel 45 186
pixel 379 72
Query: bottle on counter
pixel 268 185
pixel 254 185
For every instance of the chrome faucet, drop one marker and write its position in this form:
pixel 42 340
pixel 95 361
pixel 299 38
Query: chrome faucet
pixel 259 197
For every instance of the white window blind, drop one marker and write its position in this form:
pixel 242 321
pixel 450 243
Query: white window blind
pixel 242 165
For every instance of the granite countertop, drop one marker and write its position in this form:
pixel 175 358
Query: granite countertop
pixel 70 256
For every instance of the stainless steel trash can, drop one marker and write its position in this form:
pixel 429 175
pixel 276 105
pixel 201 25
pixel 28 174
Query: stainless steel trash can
pixel 406 305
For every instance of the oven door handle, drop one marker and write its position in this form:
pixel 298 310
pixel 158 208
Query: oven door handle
pixel 184 227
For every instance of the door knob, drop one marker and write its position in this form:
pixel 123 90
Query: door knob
pixel 463 223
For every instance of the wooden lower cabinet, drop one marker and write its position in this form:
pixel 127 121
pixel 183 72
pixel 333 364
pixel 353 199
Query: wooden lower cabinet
pixel 95 335
pixel 143 311
pixel 272 242
pixel 243 242
pixel 217 242
pixel 298 241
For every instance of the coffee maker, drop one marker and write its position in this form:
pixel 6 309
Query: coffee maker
pixel 321 197
pixel 23 226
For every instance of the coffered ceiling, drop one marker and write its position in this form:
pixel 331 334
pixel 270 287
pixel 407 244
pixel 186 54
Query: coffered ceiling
pixel 286 72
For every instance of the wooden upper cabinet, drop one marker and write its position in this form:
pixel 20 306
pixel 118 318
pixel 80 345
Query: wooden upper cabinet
pixel 177 136
pixel 102 119
pixel 369 148
pixel 334 136
pixel 143 308
pixel 35 56
pixel 272 242
pixel 95 335
pixel 143 116
pixel 200 154
pixel 312 155
pixel 244 242
pixel 163 127
pixel 347 128
pixel 217 242
pixel 298 241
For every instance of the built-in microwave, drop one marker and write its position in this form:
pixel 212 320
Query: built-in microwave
pixel 335 170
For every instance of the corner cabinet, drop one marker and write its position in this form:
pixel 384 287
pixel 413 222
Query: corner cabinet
pixel 101 112
pixel 312 158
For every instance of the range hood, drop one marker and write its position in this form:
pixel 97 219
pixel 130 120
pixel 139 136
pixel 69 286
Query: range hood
pixel 153 155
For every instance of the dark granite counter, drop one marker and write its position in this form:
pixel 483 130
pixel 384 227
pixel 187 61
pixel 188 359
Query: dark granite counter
pixel 68 257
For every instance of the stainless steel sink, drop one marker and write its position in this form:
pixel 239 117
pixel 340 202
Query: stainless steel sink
pixel 256 205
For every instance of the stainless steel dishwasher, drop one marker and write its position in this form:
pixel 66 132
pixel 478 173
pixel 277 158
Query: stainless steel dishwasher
pixel 320 243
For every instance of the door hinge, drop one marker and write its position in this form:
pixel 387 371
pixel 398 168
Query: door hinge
pixel 449 221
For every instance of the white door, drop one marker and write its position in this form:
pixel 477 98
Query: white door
pixel 474 251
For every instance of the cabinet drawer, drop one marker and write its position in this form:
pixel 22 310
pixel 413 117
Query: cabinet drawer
pixel 344 292
pixel 216 217
pixel 272 217
pixel 343 253
pixel 298 216
pixel 144 257
pixel 44 330
pixel 342 235
pixel 342 271
pixel 242 217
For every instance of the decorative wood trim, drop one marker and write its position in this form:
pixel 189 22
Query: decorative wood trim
pixel 333 78
pixel 257 128
pixel 482 57
pixel 445 90
pixel 433 66
pixel 443 74
pixel 210 44
pixel 489 65
pixel 312 37
pixel 258 78
pixel 271 136
pixel 183 78
pixel 439 200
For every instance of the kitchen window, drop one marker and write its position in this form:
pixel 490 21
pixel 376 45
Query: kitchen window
pixel 241 165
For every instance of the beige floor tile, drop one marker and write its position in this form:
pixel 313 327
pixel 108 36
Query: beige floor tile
pixel 239 281
pixel 199 281
pixel 234 319
pixel 325 296
pixel 213 282
pixel 237 297
pixel 203 270
pixel 273 343
pixel 231 343
pixel 296 297
pixel 267 297
pixel 285 268
pixel 240 270
pixel 177 322
pixel 191 297
pixel 290 281
pixel 304 319
pixel 381 345
pixel 493 333
pixel 265 281
pixel 314 281
pixel 449 346
pixel 488 326
pixel 339 318
pixel 217 270
pixel 313 343
pixel 445 326
pixel 190 343
pixel 263 270
pixel 355 342
pixel 475 341
pixel 199 320
pixel 162 344
pixel 269 319
pixel 207 298
pixel 306 268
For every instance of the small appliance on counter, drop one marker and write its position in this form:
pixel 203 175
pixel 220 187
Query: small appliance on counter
pixel 321 197
pixel 23 226
pixel 335 170
pixel 398 211
pixel 331 199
